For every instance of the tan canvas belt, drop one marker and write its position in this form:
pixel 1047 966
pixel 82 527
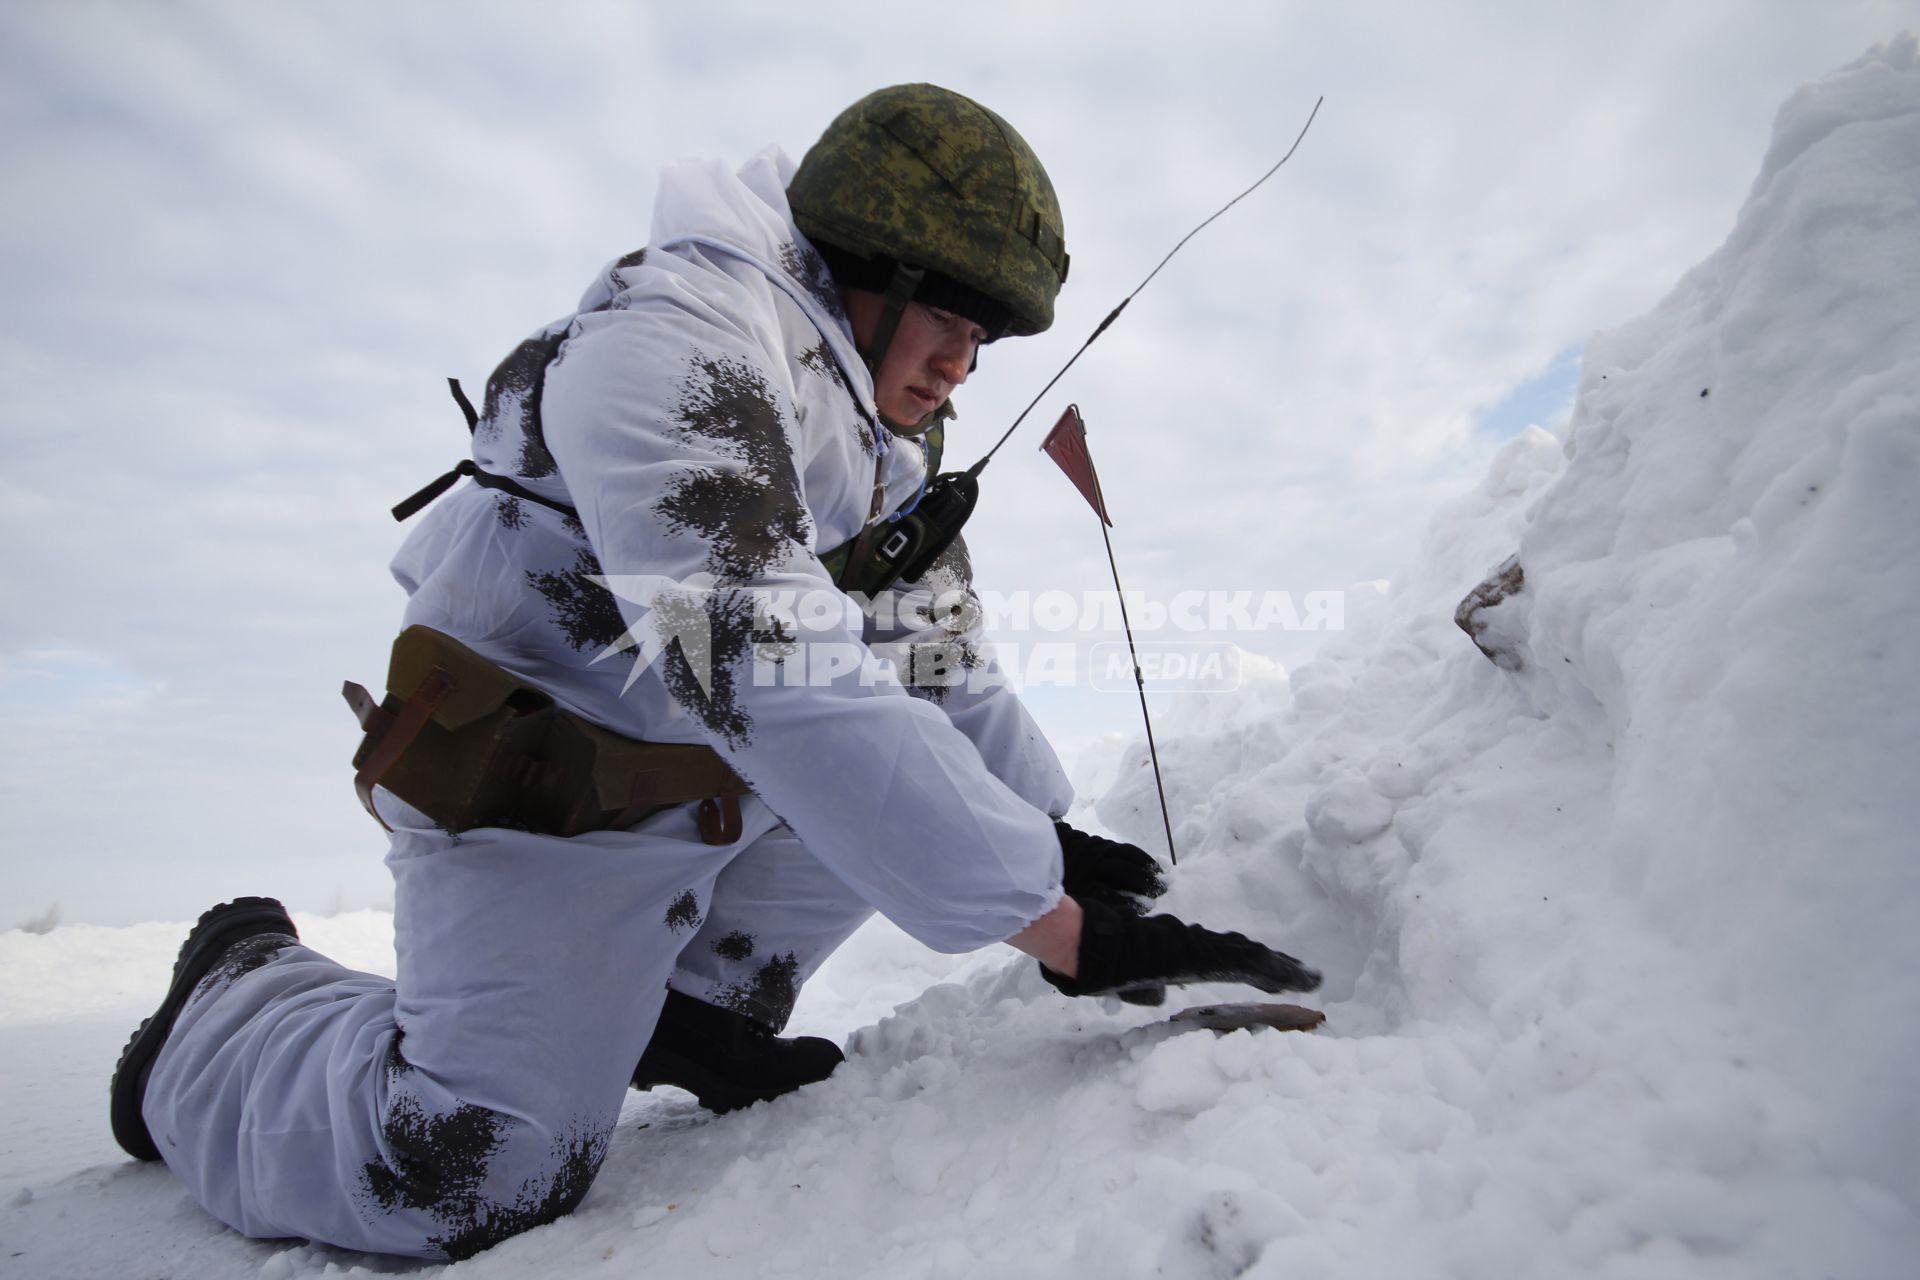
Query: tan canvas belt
pixel 470 745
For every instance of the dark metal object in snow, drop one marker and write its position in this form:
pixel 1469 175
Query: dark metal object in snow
pixel 1475 615
pixel 1249 1015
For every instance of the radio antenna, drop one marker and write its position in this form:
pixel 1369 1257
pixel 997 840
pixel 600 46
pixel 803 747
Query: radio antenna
pixel 1113 315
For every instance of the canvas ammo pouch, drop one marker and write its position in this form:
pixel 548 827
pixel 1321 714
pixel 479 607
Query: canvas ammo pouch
pixel 471 745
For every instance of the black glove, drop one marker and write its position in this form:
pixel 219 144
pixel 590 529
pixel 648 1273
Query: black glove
pixel 1121 876
pixel 1107 871
pixel 1119 954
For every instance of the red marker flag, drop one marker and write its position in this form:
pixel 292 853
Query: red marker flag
pixel 1066 444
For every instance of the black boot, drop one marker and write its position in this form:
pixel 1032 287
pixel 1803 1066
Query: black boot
pixel 215 942
pixel 726 1059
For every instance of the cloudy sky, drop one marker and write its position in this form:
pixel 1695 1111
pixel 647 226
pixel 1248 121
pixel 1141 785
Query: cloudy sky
pixel 243 244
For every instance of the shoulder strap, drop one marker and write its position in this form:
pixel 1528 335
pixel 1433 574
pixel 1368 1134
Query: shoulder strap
pixel 467 469
pixel 935 438
pixel 854 550
pixel 466 405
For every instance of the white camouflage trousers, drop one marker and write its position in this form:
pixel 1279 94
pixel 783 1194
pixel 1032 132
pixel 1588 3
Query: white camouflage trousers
pixel 473 1096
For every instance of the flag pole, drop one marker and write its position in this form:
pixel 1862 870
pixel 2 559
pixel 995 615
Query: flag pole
pixel 1066 444
pixel 1139 683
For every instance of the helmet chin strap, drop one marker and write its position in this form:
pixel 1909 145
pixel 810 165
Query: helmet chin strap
pixel 900 291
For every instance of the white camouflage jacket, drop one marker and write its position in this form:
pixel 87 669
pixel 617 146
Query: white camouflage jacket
pixel 707 416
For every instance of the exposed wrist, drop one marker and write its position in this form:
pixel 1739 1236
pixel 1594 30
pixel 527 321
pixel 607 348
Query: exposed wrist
pixel 1054 939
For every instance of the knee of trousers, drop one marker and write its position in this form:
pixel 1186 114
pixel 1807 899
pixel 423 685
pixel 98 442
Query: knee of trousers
pixel 455 1182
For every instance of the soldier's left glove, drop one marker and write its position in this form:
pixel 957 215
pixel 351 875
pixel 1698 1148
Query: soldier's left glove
pixel 1095 869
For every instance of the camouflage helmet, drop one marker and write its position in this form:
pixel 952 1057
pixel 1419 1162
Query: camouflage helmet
pixel 923 176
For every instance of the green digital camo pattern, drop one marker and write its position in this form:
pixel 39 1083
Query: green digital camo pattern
pixel 921 174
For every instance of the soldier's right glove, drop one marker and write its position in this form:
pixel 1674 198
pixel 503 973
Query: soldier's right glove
pixel 1122 876
pixel 1119 954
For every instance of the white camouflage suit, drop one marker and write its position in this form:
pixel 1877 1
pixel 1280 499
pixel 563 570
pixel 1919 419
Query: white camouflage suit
pixel 705 412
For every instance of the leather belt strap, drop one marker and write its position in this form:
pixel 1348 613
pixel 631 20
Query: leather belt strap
pixel 719 819
pixel 399 733
pixel 471 745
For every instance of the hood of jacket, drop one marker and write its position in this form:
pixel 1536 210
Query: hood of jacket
pixel 743 214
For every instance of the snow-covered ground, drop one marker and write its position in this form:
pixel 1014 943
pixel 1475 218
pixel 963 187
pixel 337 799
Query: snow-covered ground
pixel 1618 931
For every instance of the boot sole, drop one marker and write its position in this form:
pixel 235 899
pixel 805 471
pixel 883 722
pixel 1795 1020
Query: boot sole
pixel 213 935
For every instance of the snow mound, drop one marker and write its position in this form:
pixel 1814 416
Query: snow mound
pixel 1614 926
pixel 1651 871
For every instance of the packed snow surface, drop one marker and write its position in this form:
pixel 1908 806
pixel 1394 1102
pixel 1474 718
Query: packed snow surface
pixel 1621 972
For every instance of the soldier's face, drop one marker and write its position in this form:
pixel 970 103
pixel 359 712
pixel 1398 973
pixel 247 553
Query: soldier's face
pixel 931 354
